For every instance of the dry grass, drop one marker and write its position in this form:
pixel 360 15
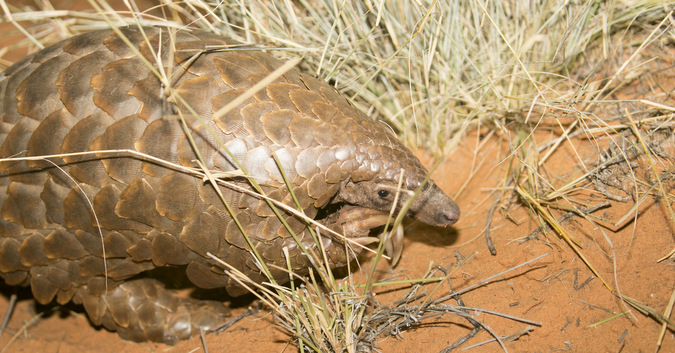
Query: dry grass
pixel 434 71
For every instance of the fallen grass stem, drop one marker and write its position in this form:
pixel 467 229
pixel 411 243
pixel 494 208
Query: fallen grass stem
pixel 604 321
pixel 8 312
pixel 23 329
pixel 487 280
pixel 666 314
pixel 561 232
pixel 234 320
pixel 508 338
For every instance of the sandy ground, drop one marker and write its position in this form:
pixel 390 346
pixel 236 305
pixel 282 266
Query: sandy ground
pixel 558 291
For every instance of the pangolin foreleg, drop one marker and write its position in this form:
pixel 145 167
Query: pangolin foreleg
pixel 356 225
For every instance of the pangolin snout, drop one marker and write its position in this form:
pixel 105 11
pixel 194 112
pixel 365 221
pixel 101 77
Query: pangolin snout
pixel 435 208
pixel 449 215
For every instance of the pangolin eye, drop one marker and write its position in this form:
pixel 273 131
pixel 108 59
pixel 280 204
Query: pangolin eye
pixel 382 193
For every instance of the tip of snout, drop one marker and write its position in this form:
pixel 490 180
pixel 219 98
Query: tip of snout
pixel 449 217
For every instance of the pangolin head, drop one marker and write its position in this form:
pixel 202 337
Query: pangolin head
pixel 375 185
pixel 384 172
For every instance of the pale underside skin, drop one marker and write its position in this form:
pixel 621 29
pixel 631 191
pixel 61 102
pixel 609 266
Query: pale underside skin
pixel 88 230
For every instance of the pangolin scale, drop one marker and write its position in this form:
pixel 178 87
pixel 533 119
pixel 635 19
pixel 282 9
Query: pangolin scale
pixel 86 227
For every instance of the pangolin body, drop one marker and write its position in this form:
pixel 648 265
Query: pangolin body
pixel 85 227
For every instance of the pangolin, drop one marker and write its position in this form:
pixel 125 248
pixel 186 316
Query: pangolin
pixel 145 106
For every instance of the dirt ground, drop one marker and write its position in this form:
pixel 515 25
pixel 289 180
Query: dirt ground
pixel 558 291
